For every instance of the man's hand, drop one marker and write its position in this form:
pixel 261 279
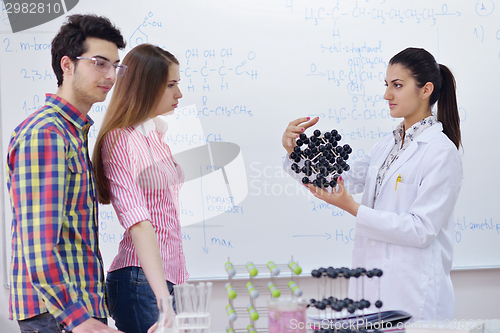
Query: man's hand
pixel 93 326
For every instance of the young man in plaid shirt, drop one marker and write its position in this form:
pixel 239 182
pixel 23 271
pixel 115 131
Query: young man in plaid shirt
pixel 57 278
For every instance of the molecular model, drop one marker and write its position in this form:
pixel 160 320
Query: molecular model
pixel 244 290
pixel 337 307
pixel 323 157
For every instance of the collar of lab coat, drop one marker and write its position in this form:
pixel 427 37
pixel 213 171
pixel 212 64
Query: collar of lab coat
pixel 423 138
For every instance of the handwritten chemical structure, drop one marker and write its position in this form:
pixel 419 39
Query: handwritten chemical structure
pixel 204 68
pixel 339 235
pixel 359 50
pixel 35 103
pixel 218 111
pixel 139 37
pixel 429 16
pixel 192 140
pixel 354 76
pixel 367 133
pixel 4 17
pixel 462 225
pixel 484 8
pixel 37 75
pixel 25 46
pixel 339 115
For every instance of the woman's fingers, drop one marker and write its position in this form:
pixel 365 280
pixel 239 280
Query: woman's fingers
pixel 298 121
pixel 292 132
pixel 295 128
pixel 311 123
pixel 340 185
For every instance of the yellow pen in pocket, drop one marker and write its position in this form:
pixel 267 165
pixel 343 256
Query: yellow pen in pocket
pixel 398 181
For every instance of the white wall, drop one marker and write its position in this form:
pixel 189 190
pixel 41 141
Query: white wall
pixel 477 294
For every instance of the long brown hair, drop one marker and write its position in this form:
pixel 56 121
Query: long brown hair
pixel 135 99
pixel 424 68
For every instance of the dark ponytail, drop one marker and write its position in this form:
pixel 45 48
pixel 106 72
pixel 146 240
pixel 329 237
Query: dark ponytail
pixel 448 108
pixel 424 68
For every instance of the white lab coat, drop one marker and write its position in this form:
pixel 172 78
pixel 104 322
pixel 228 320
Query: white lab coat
pixel 409 232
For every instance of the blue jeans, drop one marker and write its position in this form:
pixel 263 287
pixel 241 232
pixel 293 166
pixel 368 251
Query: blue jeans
pixel 45 323
pixel 132 302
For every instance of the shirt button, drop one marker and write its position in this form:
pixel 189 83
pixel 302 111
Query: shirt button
pixel 374 243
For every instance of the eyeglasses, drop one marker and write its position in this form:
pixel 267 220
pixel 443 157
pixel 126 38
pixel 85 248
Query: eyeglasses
pixel 103 66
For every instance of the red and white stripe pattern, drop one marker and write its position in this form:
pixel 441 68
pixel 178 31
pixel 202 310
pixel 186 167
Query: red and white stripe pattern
pixel 145 181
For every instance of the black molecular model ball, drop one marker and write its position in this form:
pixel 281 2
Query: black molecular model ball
pixel 324 158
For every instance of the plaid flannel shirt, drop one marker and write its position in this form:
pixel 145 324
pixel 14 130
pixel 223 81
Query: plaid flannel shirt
pixel 56 265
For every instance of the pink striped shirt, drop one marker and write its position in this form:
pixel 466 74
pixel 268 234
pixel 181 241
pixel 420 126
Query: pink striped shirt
pixel 145 181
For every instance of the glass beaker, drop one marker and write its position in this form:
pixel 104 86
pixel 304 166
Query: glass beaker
pixel 287 316
pixel 166 319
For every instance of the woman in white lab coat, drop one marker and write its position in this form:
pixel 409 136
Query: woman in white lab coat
pixel 410 183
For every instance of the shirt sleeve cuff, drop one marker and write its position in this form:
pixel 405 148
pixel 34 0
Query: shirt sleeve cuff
pixel 73 316
pixel 363 218
pixel 134 216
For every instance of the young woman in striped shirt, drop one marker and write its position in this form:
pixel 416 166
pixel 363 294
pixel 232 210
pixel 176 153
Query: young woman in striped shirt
pixel 135 171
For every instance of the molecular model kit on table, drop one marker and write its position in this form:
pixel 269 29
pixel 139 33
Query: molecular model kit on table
pixel 249 296
pixel 337 309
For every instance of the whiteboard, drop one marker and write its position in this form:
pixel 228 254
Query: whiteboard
pixel 250 67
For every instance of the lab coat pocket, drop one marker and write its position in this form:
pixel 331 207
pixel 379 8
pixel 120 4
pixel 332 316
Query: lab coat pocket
pixel 403 288
pixel 404 196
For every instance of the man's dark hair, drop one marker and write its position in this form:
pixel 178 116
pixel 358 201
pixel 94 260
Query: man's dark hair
pixel 70 41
